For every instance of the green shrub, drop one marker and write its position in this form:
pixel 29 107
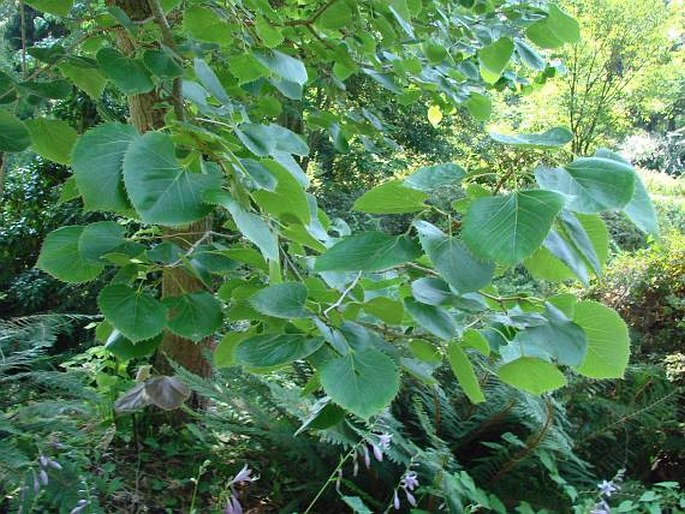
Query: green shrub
pixel 648 289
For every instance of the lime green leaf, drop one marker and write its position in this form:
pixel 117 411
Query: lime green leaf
pixel 608 340
pixel 86 76
pixel 528 55
pixel 270 36
pixel 435 320
pixel 53 139
pixel 129 75
pixel 506 229
pixel 194 315
pixel 387 310
pixel 391 198
pixel 453 260
pixel 14 136
pixel 425 350
pixel 430 178
pixel 368 251
pixel 472 338
pixel 137 315
pixel 281 300
pixel 337 16
pixel 463 370
pixel 288 201
pixel 60 257
pixel 434 115
pixel 56 7
pixel 533 375
pixel 97 162
pixel 363 382
pixel 593 184
pixel 266 351
pixel 272 139
pixel 160 190
pixel 210 81
pixel 250 225
pixel 480 106
pixel 356 504
pixel 494 58
pixel 124 349
pixel 224 354
pixel 205 25
pixel 557 136
pixel 98 239
pixel 557 29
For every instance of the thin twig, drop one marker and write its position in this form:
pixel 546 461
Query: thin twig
pixel 194 247
pixel 344 294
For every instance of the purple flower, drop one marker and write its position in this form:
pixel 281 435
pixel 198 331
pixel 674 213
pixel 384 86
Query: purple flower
pixel 338 480
pixel 43 477
pixel 54 464
pixel 396 500
pixel 233 506
pixel 601 508
pixel 410 498
pixel 409 481
pixel 384 441
pixel 243 476
pixel 355 466
pixel 80 506
pixel 607 488
pixel 43 460
pixel 367 458
pixel 377 452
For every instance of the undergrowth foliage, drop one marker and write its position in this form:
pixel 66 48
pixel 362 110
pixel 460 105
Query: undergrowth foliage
pixel 213 245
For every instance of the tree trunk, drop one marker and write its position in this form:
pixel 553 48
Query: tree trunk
pixel 147 114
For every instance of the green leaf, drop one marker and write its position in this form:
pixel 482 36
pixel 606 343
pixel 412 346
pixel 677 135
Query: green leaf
pixel 559 339
pixel 266 351
pixel 56 7
pixel 100 238
pixel 391 198
pixel 281 300
pixel 608 340
pixel 430 178
pixel 363 382
pixel 85 77
pixel 270 36
pixel 567 253
pixel 480 106
pixel 159 188
pixel 162 64
pixel 53 89
pixel 557 29
pixel 254 228
pixel 52 139
pixel 528 55
pixel 288 201
pixel 368 251
pixel 136 314
pixel 435 320
pixel 124 349
pixel 594 184
pixel 210 81
pixel 553 137
pixel 533 375
pixel 287 67
pixel 425 351
pixel 387 310
pixel 60 257
pixel 355 502
pixel 224 354
pixel 194 315
pixel 97 161
pixel 506 229
pixel 453 260
pixel 204 24
pixel 129 75
pixel 472 338
pixel 494 58
pixel 14 136
pixel 641 211
pixel 431 291
pixel 272 139
pixel 463 370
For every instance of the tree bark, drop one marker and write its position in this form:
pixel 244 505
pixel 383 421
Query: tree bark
pixel 147 114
